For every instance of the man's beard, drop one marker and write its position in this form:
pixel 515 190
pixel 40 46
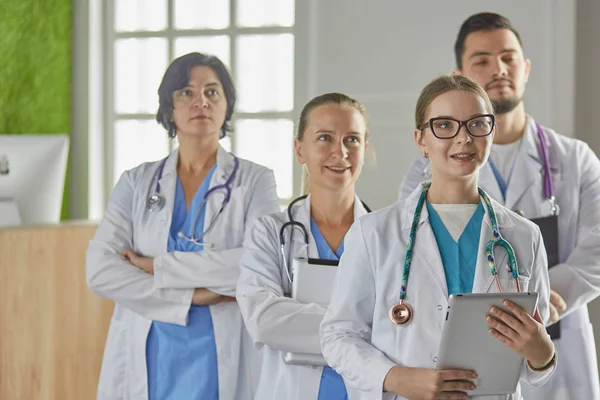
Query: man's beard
pixel 505 105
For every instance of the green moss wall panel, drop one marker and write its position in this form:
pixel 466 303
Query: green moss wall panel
pixel 35 67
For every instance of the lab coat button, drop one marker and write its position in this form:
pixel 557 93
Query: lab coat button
pixel 434 359
pixel 440 307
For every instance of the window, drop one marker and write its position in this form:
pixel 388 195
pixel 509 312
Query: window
pixel 254 38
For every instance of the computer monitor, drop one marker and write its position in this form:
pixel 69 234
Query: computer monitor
pixel 32 178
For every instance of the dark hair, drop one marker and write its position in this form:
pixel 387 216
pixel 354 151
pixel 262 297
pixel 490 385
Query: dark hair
pixel 177 77
pixel 330 98
pixel 480 22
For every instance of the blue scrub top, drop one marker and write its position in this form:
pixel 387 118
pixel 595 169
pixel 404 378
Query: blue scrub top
pixel 182 360
pixel 332 385
pixel 459 259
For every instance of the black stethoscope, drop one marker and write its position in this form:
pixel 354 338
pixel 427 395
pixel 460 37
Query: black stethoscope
pixel 299 225
pixel 156 202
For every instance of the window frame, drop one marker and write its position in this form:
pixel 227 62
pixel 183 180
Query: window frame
pixel 110 116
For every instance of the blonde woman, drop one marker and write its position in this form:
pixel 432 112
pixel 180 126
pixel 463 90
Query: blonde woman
pixel 446 223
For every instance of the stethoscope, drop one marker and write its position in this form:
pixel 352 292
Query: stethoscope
pixel 298 225
pixel 156 202
pixel 401 313
pixel 548 187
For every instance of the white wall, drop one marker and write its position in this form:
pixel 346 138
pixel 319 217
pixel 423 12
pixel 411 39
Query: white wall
pixel 383 52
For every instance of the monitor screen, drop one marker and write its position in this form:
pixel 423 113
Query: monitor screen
pixel 32 178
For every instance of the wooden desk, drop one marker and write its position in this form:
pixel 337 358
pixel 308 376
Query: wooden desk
pixel 52 327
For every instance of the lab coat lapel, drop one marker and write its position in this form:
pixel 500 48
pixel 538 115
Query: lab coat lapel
pixel 168 184
pixel 425 246
pixel 527 175
pixel 359 208
pixel 483 280
pixel 215 200
pixel 301 214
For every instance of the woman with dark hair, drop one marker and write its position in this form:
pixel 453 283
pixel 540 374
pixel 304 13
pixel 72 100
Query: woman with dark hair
pixel 168 248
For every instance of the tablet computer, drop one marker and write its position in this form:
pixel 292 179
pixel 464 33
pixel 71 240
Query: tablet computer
pixel 467 343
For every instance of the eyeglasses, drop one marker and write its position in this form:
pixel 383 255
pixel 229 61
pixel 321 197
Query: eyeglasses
pixel 447 128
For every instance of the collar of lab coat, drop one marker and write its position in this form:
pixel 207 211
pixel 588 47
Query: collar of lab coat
pixel 301 213
pixel 482 280
pixel 528 162
pixel 168 182
pixel 410 205
pixel 224 164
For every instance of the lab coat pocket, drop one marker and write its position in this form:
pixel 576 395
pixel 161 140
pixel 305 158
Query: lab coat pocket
pixel 510 285
pixel 113 379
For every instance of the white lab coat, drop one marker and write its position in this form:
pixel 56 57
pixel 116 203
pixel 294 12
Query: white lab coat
pixel 357 337
pixel 141 298
pixel 575 173
pixel 275 322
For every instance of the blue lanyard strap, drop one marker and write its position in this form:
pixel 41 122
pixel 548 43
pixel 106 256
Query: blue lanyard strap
pixel 501 182
pixel 544 153
pixel 498 240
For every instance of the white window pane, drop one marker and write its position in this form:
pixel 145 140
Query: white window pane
pixel 265 72
pixel 139 67
pixel 140 15
pixel 254 13
pixel 214 45
pixel 226 143
pixel 269 143
pixel 136 142
pixel 201 14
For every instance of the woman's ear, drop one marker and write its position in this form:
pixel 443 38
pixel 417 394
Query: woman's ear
pixel 299 151
pixel 420 142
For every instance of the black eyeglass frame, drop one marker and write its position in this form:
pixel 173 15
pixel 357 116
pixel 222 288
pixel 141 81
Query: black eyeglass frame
pixel 429 125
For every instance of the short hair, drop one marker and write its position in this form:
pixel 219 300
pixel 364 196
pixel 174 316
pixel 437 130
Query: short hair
pixel 485 21
pixel 177 77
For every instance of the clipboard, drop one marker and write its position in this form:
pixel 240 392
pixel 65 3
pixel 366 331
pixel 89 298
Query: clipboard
pixel 312 280
pixel 549 228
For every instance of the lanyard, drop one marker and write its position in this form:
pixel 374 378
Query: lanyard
pixel 543 149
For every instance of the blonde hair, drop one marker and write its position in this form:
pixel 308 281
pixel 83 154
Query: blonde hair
pixel 328 98
pixel 441 85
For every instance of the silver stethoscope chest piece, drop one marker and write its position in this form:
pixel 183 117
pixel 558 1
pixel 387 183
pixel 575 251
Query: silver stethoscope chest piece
pixel 156 202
